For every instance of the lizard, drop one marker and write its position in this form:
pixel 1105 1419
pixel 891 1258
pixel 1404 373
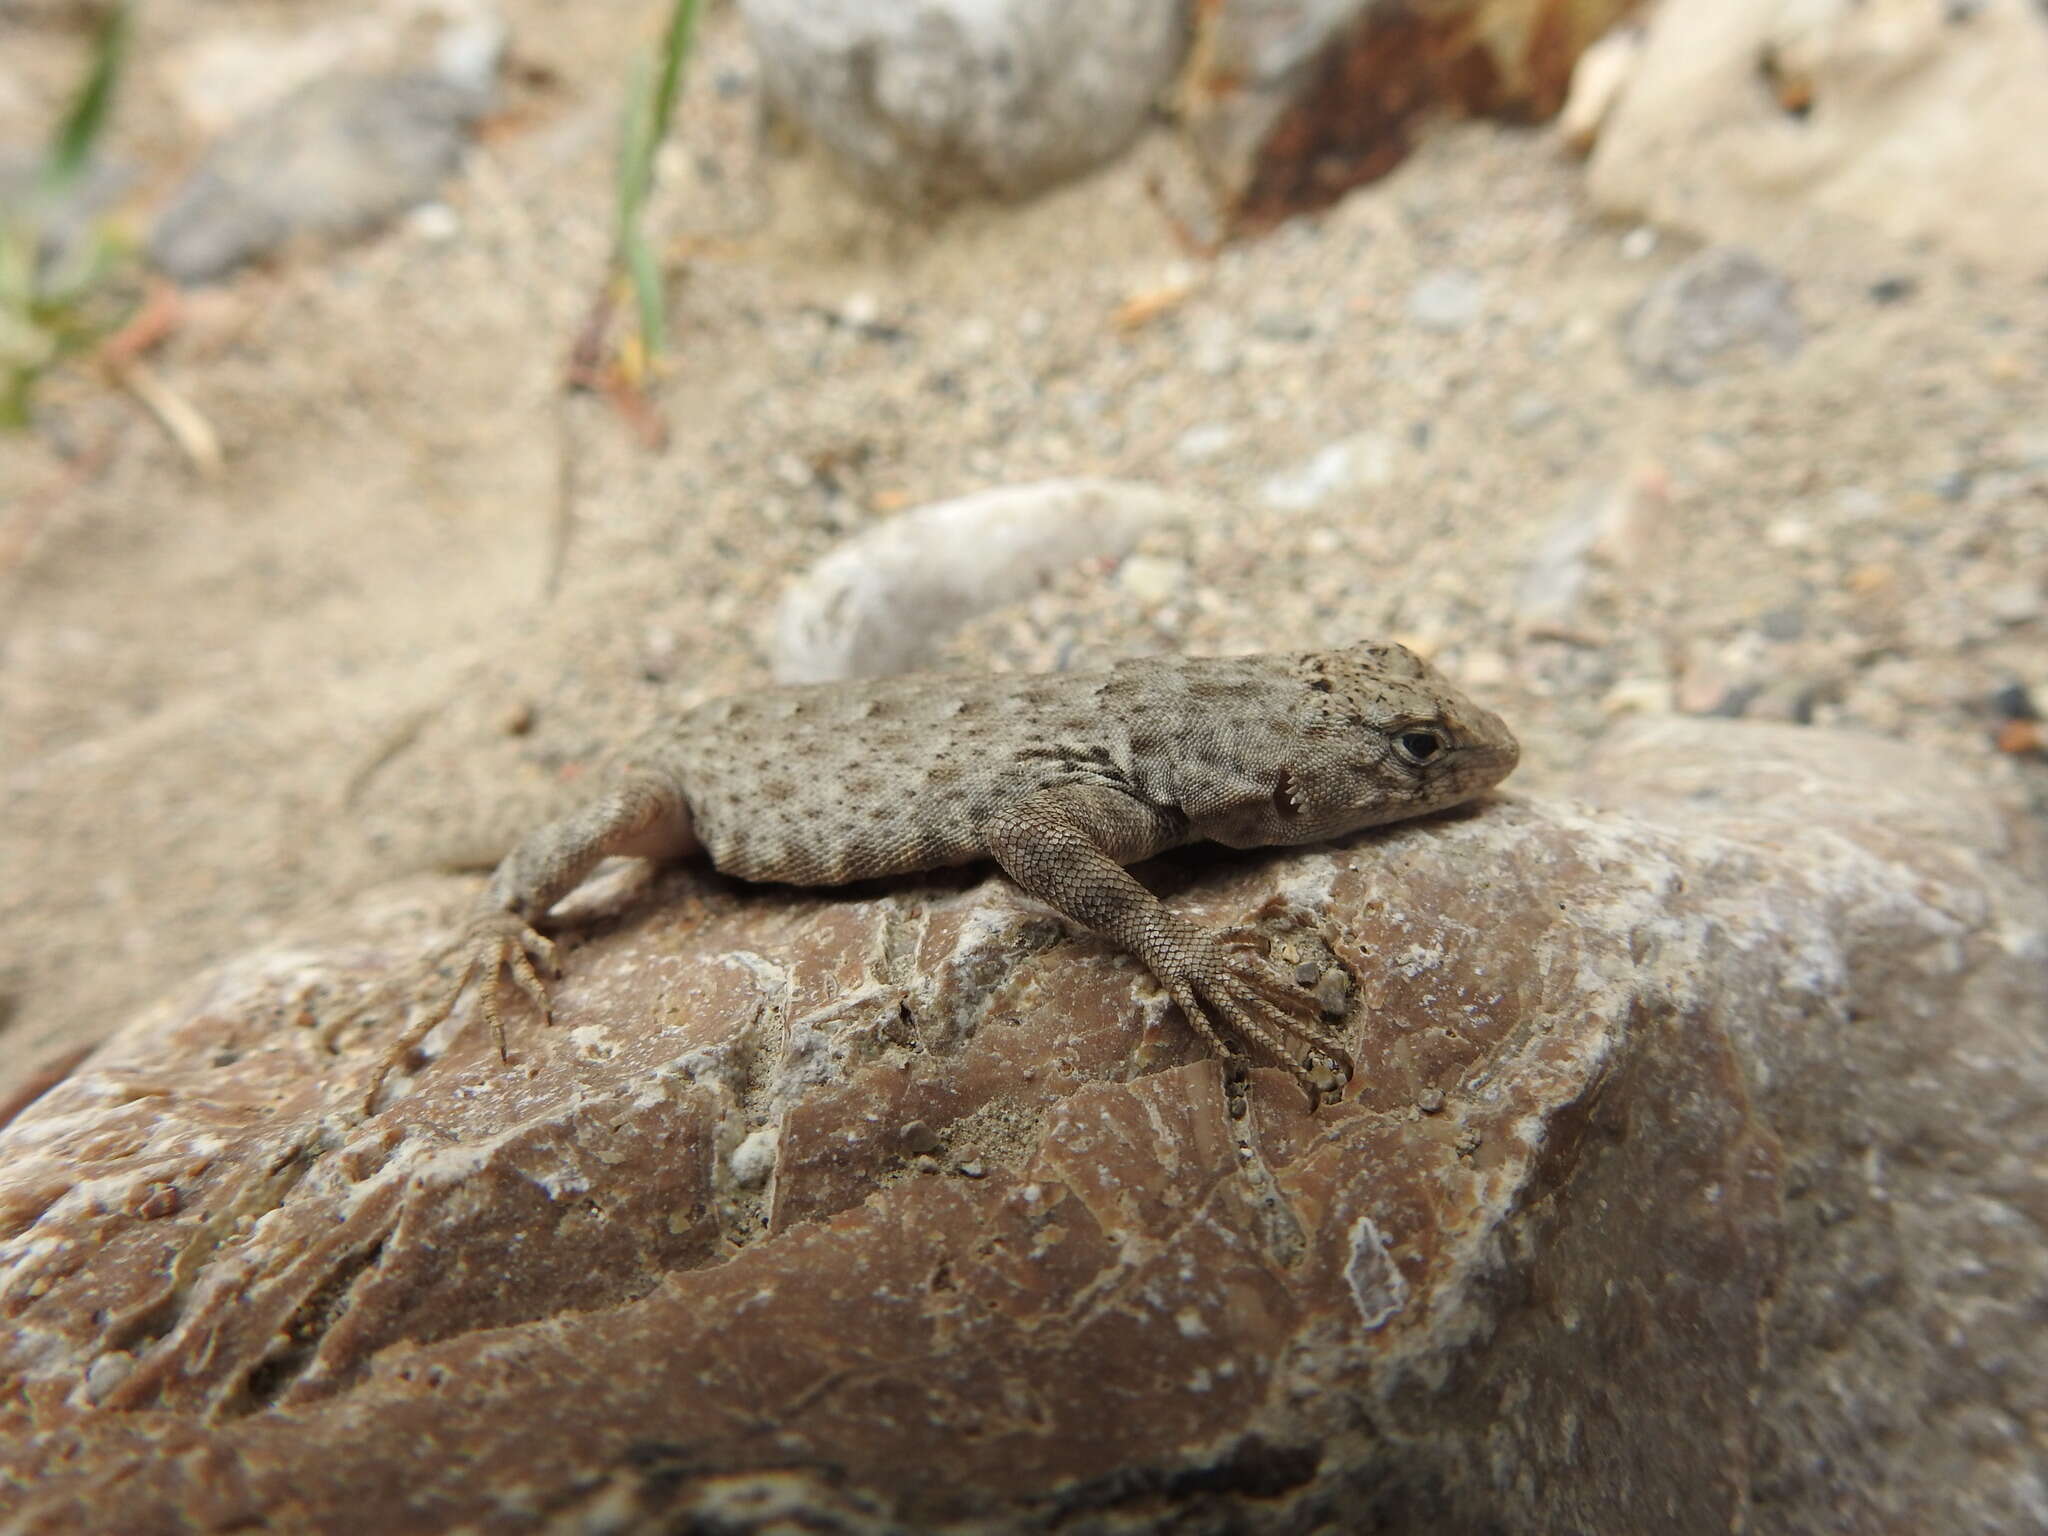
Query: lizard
pixel 1062 779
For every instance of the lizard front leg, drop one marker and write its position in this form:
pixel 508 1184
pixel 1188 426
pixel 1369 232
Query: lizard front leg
pixel 1068 846
pixel 644 815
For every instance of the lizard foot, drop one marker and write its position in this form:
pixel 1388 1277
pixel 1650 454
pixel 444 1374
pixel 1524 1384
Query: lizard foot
pixel 1240 991
pixel 493 945
pixel 502 944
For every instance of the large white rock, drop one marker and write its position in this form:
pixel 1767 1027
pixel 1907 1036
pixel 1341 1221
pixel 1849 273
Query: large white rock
pixel 879 602
pixel 1926 121
pixel 936 101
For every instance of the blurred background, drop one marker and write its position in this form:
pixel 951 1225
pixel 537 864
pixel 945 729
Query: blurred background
pixel 402 404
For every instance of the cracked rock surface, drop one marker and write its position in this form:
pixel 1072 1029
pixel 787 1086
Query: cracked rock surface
pixel 1694 1179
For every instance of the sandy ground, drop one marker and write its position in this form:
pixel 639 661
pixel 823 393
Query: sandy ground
pixel 425 594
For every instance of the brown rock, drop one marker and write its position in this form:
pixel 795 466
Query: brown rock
pixel 1693 1180
pixel 1290 106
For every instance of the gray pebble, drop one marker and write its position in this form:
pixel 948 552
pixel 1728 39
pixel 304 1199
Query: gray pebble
pixel 1721 300
pixel 1333 991
pixel 334 158
pixel 2014 702
pixel 1446 301
pixel 1784 624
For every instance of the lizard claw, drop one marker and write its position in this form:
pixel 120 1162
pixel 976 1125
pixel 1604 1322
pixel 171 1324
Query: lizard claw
pixel 1222 989
pixel 493 945
pixel 502 944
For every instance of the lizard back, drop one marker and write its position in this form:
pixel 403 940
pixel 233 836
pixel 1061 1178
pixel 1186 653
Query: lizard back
pixel 834 782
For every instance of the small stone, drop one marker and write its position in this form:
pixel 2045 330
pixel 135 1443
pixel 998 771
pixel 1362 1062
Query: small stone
pixel 1484 669
pixel 1893 290
pixel 1604 525
pixel 469 53
pixel 1363 462
pixel 754 1158
pixel 1783 624
pixel 1307 974
pixel 860 311
pixel 1704 689
pixel 972 1168
pixel 1792 699
pixel 1531 411
pixel 2022 738
pixel 1860 504
pixel 1720 301
pixel 106 1373
pixel 1200 444
pixel 2029 449
pixel 2014 602
pixel 1733 703
pixel 335 158
pixel 1446 301
pixel 1430 1101
pixel 1152 580
pixel 162 1200
pixel 1640 695
pixel 1789 533
pixel 1333 991
pixel 2014 702
pixel 916 1136
pixel 1285 325
pixel 1216 348
pixel 1639 244
pixel 436 223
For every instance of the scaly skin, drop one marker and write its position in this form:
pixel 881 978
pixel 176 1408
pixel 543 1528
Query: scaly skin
pixel 1061 779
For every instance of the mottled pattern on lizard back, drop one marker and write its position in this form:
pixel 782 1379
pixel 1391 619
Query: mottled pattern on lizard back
pixel 851 781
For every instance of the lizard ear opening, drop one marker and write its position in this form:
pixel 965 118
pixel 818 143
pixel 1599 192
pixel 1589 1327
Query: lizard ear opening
pixel 1284 804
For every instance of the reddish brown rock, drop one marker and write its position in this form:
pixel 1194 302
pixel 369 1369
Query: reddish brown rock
pixel 1290 106
pixel 1694 1180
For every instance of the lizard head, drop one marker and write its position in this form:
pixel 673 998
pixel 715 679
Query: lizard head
pixel 1381 735
pixel 1390 738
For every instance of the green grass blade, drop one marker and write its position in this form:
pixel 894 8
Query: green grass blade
pixel 650 108
pixel 675 50
pixel 85 121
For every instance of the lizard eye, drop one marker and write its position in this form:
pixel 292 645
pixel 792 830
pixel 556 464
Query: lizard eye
pixel 1418 747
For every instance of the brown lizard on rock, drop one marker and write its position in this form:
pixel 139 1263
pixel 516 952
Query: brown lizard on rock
pixel 1061 779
